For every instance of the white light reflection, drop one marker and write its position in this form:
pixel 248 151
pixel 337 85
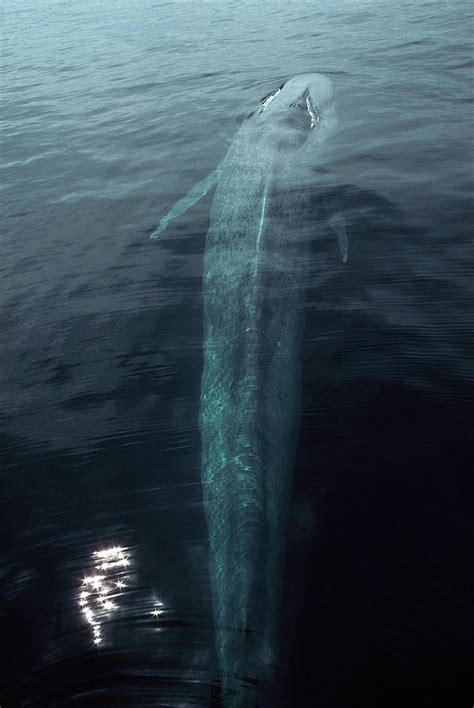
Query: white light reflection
pixel 99 591
pixel 158 608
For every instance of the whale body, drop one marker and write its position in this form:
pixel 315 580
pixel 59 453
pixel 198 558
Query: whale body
pixel 253 294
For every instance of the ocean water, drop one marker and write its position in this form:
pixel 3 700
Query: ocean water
pixel 111 112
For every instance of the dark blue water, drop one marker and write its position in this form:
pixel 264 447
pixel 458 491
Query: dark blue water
pixel 111 112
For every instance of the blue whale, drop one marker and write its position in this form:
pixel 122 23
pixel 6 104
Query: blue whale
pixel 253 289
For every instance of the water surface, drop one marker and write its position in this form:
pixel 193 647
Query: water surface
pixel 111 112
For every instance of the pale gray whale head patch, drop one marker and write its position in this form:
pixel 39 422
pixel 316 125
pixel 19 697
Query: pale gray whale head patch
pixel 291 112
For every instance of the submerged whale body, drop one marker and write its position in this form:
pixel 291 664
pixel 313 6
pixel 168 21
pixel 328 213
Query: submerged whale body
pixel 250 392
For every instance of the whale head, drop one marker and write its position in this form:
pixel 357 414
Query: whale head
pixel 292 112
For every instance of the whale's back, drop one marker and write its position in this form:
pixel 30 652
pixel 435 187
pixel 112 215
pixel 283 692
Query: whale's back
pixel 249 410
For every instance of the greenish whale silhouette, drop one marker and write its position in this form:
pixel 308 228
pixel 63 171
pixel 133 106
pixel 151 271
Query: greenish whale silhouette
pixel 250 393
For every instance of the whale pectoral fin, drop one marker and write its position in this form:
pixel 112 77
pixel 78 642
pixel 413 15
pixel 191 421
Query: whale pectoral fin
pixel 194 195
pixel 338 224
